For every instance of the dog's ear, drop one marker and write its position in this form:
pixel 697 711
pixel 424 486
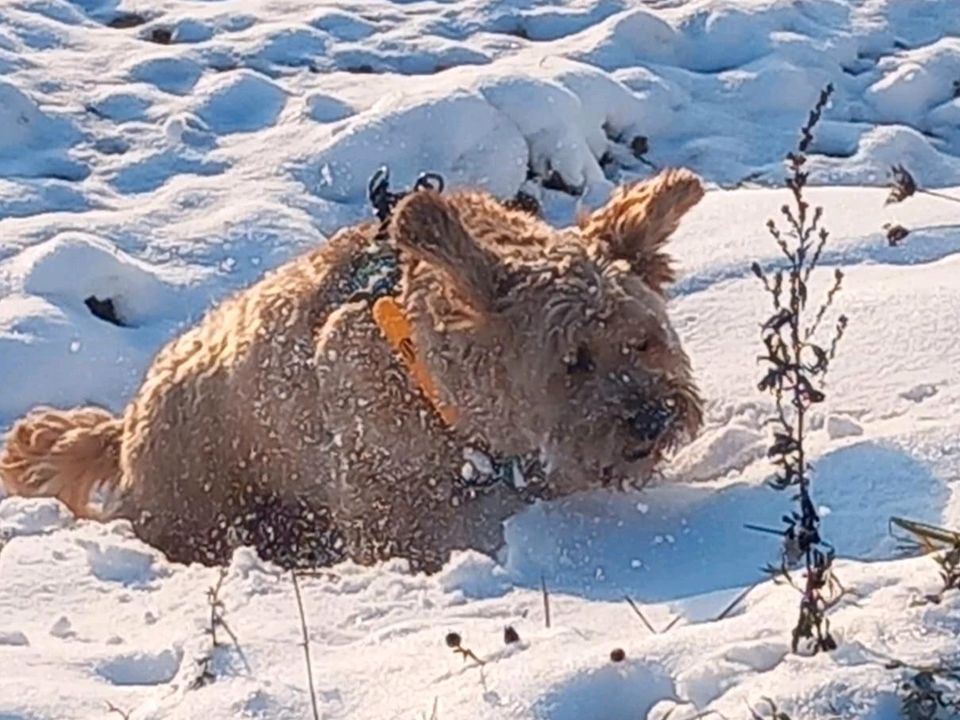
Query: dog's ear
pixel 637 221
pixel 429 227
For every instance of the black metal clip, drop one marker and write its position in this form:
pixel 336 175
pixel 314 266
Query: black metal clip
pixel 383 200
pixel 429 181
pixel 378 192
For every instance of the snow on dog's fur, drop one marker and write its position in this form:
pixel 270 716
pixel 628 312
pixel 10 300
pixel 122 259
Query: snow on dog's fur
pixel 285 419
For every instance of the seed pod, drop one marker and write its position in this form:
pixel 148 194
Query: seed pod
pixel 617 655
pixel 453 640
pixel 510 635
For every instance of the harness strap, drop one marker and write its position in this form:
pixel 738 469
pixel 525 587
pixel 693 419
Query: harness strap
pixel 399 333
pixel 376 279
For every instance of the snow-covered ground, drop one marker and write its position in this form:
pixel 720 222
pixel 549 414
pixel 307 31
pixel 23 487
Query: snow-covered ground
pixel 163 175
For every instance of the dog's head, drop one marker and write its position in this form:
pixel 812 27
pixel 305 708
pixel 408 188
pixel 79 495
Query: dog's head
pixel 555 339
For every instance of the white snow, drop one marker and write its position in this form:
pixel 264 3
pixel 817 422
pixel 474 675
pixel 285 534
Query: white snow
pixel 164 176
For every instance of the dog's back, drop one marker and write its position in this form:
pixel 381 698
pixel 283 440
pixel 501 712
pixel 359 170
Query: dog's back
pixel 221 409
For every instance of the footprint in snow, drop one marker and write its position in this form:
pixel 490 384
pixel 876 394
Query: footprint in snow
pixel 13 638
pixel 63 629
pixel 921 392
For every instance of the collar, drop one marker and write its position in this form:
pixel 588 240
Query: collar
pixel 395 326
pixel 486 470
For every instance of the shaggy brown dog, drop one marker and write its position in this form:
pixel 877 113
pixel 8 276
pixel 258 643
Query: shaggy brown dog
pixel 286 419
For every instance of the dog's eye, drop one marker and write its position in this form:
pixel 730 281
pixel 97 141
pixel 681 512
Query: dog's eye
pixel 580 362
pixel 635 346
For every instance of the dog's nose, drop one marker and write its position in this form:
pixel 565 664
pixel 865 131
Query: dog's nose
pixel 652 418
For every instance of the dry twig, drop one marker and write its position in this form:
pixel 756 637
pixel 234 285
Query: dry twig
pixel 114 709
pixel 546 600
pixel 306 644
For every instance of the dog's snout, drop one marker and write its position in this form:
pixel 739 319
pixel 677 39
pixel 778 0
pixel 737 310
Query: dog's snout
pixel 652 418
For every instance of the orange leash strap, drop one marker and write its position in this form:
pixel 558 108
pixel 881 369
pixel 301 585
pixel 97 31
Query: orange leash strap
pixel 399 333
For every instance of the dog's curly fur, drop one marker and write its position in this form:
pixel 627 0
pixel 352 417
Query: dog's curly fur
pixel 284 419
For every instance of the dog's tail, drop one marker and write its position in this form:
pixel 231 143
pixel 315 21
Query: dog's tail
pixel 63 454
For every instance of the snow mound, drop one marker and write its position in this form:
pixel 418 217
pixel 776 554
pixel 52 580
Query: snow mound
pixel 24 517
pixel 34 196
pixel 326 109
pixel 454 135
pixel 475 575
pixel 175 75
pixel 916 81
pixel 111 561
pixel 628 690
pixel 35 143
pixel 240 102
pixel 290 47
pixel 718 452
pixel 100 326
pixel 49 270
pixel 140 668
pixel 121 107
pixel 698 84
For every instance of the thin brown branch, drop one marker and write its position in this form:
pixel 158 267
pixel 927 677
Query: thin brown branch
pixel 114 709
pixel 837 282
pixel 468 654
pixel 217 619
pixel 736 601
pixel 671 624
pixel 213 599
pixel 942 196
pixel 306 645
pixel 640 615
pixel 546 600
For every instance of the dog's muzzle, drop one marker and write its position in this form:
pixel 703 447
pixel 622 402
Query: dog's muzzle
pixel 649 422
